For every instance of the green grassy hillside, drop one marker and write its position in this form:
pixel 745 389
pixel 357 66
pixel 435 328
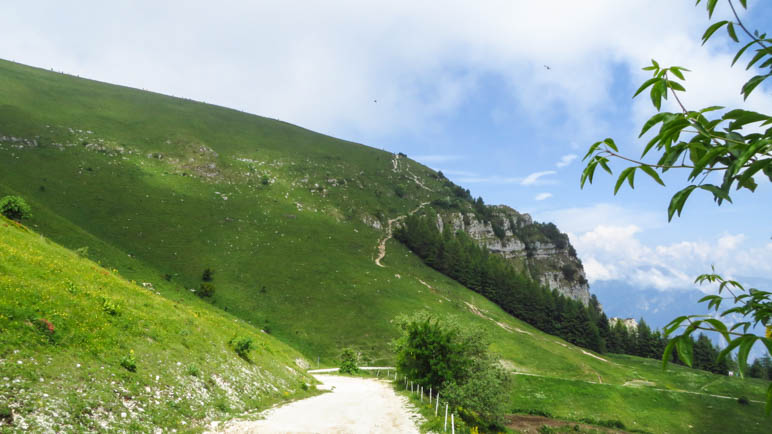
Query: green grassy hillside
pixel 161 188
pixel 71 330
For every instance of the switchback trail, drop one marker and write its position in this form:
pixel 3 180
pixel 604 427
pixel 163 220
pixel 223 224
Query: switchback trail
pixel 389 232
pixel 353 405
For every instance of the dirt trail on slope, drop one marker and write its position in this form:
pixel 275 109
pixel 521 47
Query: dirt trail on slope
pixel 389 231
pixel 354 405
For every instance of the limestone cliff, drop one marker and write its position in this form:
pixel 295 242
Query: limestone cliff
pixel 537 249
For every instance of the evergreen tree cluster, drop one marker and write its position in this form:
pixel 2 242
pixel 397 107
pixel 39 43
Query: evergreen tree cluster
pixel 645 342
pixel 458 256
pixel 461 258
pixel 761 368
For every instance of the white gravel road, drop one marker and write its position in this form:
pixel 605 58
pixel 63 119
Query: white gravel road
pixel 354 405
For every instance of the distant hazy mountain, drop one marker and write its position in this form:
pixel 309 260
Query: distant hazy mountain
pixel 657 307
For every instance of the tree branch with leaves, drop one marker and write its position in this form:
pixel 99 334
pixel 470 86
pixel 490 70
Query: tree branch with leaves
pixel 731 146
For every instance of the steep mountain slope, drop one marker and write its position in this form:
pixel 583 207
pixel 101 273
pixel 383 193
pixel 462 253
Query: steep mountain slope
pixel 291 222
pixel 289 219
pixel 81 348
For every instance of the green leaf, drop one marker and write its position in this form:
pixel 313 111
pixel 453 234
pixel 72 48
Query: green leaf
pixel 713 27
pixel 658 91
pixel 759 54
pixel 708 159
pixel 718 194
pixel 711 108
pixel 668 352
pixel 743 117
pixel 610 143
pixel 746 155
pixel 741 51
pixel 751 84
pixel 651 143
pixel 678 200
pixel 591 150
pixel 745 349
pixel 768 407
pixel 732 34
pixel 719 326
pixel 731 345
pixel 588 172
pixel 673 325
pixel 604 164
pixel 711 6
pixel 645 84
pixel 675 86
pixel 755 167
pixel 677 72
pixel 685 350
pixel 654 120
pixel 768 343
pixel 652 173
pixel 625 173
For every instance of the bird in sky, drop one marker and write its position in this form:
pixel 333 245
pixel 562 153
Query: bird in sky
pixel 548 68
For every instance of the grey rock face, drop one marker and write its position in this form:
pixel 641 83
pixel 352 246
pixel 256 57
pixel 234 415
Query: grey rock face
pixel 553 267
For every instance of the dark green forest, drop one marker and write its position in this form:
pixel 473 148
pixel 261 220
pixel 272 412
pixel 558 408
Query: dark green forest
pixel 458 256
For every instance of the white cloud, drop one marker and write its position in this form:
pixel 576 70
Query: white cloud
pixel 535 178
pixel 323 65
pixel 583 219
pixel 612 252
pixel 566 160
pixel 542 196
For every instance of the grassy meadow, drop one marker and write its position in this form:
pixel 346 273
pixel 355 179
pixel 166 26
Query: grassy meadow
pixel 82 348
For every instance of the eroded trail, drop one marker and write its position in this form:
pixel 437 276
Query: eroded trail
pixel 389 233
pixel 354 405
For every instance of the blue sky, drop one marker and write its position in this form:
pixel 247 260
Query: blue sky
pixel 461 87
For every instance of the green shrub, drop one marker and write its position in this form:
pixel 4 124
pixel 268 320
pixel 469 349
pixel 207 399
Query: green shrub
pixel 128 362
pixel 205 290
pixel 46 328
pixel 193 371
pixel 208 275
pixel 242 346
pixel 348 362
pixel 15 208
pixel 612 423
pixel 109 307
pixel 5 413
pixel 436 352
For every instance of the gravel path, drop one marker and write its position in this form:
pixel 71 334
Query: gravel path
pixel 354 405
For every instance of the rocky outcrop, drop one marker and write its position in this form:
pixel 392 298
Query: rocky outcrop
pixel 630 323
pixel 539 250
